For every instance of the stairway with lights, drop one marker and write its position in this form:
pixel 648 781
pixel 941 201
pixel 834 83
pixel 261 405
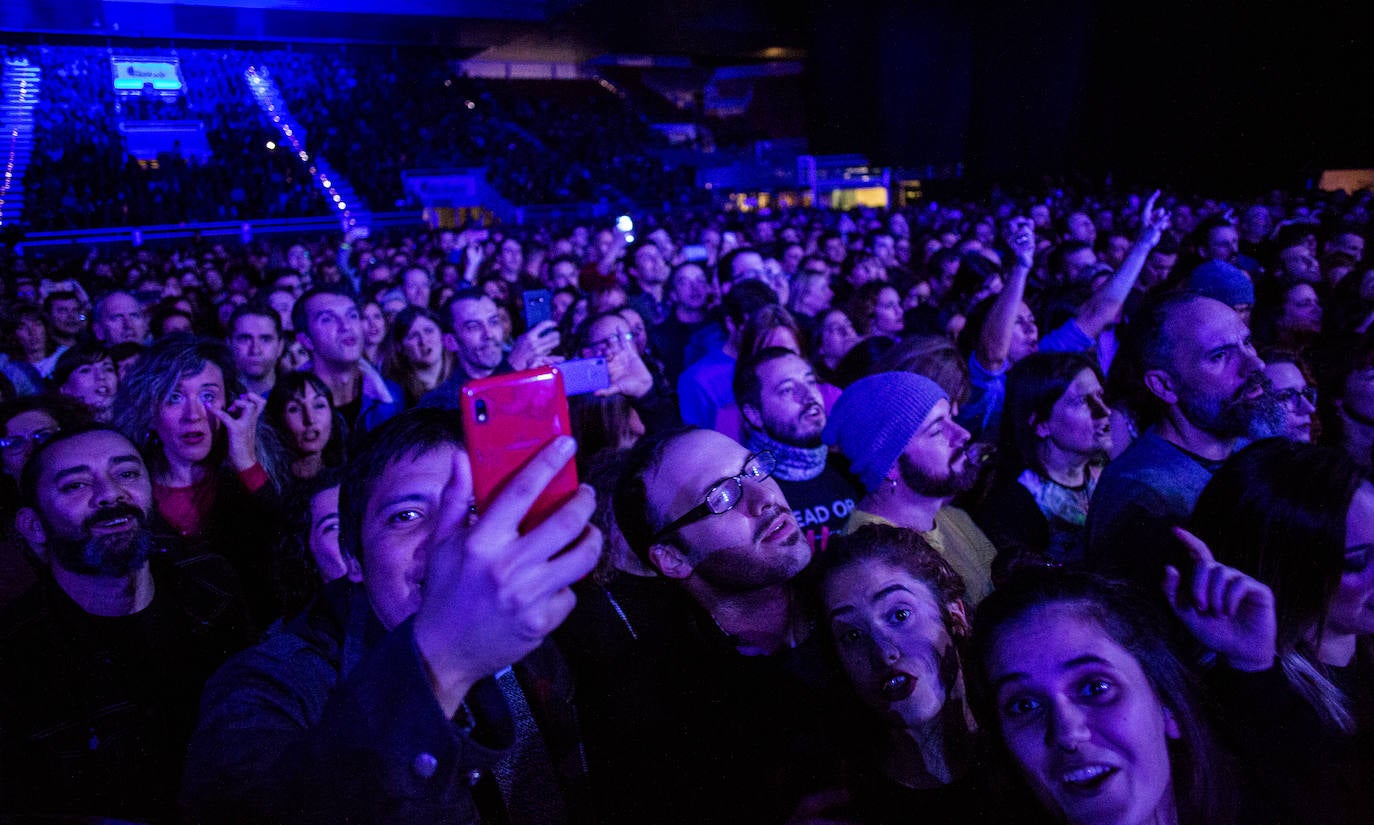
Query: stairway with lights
pixel 336 190
pixel 21 84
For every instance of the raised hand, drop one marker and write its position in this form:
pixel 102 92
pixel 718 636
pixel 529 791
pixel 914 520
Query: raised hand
pixel 1020 237
pixel 535 347
pixel 1224 609
pixel 628 373
pixel 1153 222
pixel 240 420
pixel 491 595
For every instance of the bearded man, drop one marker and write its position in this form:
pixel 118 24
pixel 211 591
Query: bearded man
pixel 1201 394
pixel 103 660
pixel 897 431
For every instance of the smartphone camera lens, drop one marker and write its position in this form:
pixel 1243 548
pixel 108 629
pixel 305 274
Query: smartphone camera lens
pixel 481 411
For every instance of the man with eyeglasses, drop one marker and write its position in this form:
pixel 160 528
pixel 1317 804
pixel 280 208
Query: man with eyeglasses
pixel 727 697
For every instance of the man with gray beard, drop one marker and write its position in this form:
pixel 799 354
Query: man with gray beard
pixel 1200 395
pixel 102 661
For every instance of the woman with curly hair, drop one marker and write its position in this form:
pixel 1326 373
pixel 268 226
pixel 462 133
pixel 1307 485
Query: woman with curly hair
pixel 216 467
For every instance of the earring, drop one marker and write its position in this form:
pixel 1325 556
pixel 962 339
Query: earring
pixel 893 482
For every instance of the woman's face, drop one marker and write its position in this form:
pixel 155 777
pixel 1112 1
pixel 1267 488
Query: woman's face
pixel 94 385
pixel 887 314
pixel 374 324
pixel 837 335
pixel 423 345
pixel 309 421
pixel 282 303
pixel 1081 720
pixel 295 356
pixel 607 338
pixel 22 428
pixel 636 325
pixel 1289 386
pixel 1351 609
pixel 560 304
pixel 185 421
pixel 890 634
pixel 1080 421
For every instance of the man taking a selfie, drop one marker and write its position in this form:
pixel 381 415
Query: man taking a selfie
pixel 395 700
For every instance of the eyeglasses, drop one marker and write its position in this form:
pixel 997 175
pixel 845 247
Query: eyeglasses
pixel 14 443
pixel 1289 397
pixel 725 495
pixel 610 343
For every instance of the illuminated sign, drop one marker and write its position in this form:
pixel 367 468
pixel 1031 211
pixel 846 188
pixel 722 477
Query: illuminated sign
pixel 131 74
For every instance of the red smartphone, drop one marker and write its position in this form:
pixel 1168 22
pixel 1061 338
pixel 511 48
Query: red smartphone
pixel 507 420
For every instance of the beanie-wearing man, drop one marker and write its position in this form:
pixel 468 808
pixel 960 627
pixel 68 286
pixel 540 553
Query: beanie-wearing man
pixel 895 428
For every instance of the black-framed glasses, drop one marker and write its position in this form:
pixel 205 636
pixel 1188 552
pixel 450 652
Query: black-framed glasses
pixel 1289 397
pixel 16 442
pixel 725 495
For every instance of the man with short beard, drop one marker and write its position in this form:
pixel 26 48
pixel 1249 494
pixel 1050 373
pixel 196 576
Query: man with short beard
pixel 477 341
pixel 780 401
pixel 1200 394
pixel 901 441
pixel 717 675
pixel 102 661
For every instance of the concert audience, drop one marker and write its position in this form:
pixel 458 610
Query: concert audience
pixel 691 681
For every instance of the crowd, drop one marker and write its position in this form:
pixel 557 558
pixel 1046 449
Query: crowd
pixel 562 142
pixel 82 175
pixel 855 541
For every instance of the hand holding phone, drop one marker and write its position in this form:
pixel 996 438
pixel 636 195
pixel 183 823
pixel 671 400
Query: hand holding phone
pixel 628 373
pixel 584 375
pixel 507 420
pixel 538 305
pixel 536 345
pixel 492 593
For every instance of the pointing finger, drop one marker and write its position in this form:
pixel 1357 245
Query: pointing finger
pixel 1197 548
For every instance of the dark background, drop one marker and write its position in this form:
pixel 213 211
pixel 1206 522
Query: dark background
pixel 1209 93
pixel 1221 94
